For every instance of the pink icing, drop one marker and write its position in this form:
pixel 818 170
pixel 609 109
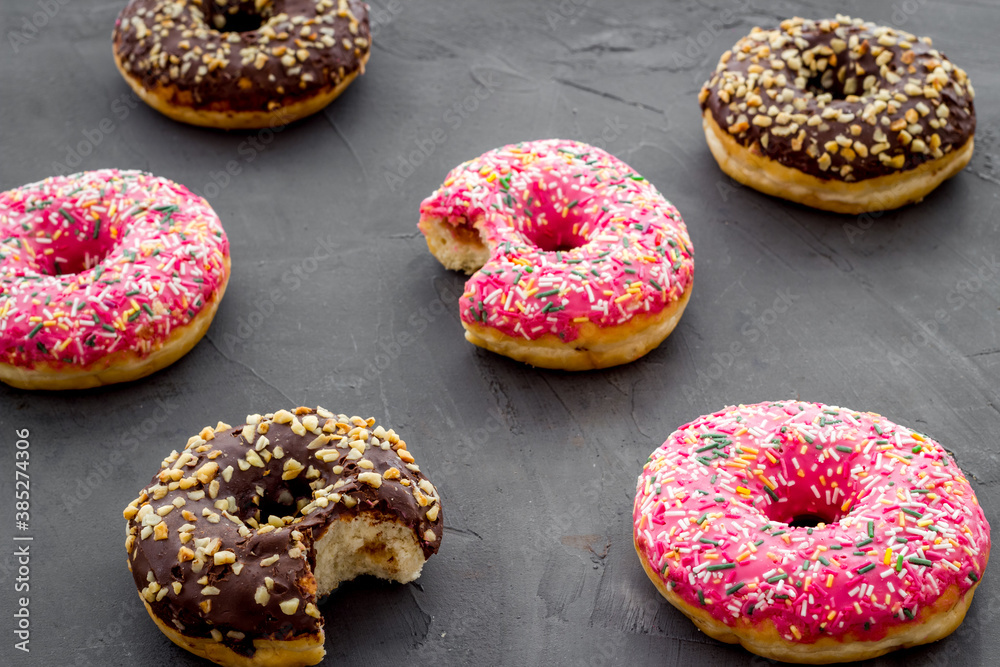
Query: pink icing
pixel 906 520
pixel 575 235
pixel 102 261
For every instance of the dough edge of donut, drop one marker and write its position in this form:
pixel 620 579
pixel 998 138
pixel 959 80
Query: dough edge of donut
pixel 939 624
pixel 882 193
pixel 159 99
pixel 604 346
pixel 299 652
pixel 122 365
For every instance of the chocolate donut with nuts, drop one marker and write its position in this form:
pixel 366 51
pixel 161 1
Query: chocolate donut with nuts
pixel 839 114
pixel 240 533
pixel 241 63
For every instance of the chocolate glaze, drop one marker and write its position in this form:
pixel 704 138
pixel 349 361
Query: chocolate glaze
pixel 158 560
pixel 301 49
pixel 923 88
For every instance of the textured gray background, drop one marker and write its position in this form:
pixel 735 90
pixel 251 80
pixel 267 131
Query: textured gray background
pixel 537 468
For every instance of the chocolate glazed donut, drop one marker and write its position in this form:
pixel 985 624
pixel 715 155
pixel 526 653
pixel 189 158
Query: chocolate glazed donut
pixel 238 536
pixel 241 63
pixel 839 114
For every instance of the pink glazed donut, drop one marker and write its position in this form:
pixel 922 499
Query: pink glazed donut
pixel 897 554
pixel 105 276
pixel 578 261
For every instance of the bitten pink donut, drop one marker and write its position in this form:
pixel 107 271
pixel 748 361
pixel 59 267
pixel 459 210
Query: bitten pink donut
pixel 894 561
pixel 578 261
pixel 105 276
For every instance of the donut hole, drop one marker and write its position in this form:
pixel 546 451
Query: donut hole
pixel 550 229
pixel 284 501
pixel 548 222
pixel 808 521
pixel 831 82
pixel 241 16
pixel 553 238
pixel 807 505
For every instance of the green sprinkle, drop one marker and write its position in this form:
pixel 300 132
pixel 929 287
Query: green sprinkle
pixel 540 295
pixel 777 578
pixel 771 493
pixel 701 598
pixel 735 587
pixel 919 561
pixel 844 448
pixel 899 563
pixel 721 566
pixel 702 518
pixel 38 327
pixel 909 614
pixel 864 542
pixel 706 540
pixel 871 529
pixel 911 512
pixel 866 568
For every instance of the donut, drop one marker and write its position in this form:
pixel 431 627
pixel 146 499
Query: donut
pixel 839 114
pixel 241 64
pixel 105 276
pixel 577 261
pixel 239 535
pixel 810 533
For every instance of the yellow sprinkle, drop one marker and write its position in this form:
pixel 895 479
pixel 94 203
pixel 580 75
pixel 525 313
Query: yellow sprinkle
pixel 888 556
pixel 829 583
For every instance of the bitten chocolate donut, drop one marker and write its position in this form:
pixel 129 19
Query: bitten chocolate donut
pixel 238 535
pixel 810 533
pixel 241 63
pixel 839 114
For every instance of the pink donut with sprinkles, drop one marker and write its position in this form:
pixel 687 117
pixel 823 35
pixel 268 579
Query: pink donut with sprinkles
pixel 105 276
pixel 578 262
pixel 810 533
